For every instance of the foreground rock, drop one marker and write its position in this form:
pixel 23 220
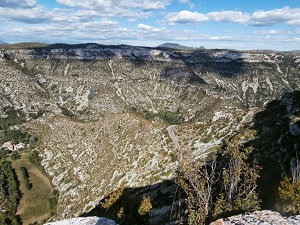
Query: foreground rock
pixel 264 217
pixel 84 221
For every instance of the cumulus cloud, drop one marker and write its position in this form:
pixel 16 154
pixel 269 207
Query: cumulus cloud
pixel 88 4
pixel 34 15
pixel 17 3
pixel 258 18
pixel 195 17
pixel 120 4
pixel 144 27
pixel 229 16
pixel 131 10
pixel 185 17
pixel 275 16
pixel 70 33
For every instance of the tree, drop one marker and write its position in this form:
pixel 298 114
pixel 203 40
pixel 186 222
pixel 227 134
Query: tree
pixel 15 155
pixel 222 186
pixel 197 180
pixel 238 181
pixel 289 190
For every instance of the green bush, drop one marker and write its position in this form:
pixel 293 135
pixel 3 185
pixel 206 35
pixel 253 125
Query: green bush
pixel 15 136
pixel 15 117
pixel 53 201
pixel 15 155
pixel 170 117
pixel 10 187
pixel 25 175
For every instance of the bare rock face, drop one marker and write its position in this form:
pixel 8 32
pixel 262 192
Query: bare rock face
pixel 291 101
pixel 265 217
pixel 84 221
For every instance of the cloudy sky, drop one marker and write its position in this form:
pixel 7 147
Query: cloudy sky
pixel 237 24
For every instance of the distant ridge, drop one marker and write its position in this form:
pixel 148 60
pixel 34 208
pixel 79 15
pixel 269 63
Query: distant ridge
pixel 3 43
pixel 178 46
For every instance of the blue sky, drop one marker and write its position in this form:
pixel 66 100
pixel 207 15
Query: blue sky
pixel 235 24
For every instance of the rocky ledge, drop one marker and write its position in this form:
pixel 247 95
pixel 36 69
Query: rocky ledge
pixel 84 221
pixel 264 217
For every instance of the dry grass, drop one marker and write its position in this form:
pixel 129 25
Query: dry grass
pixel 34 203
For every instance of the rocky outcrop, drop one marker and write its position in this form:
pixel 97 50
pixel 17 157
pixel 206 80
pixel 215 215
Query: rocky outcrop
pixel 84 221
pixel 292 102
pixel 264 217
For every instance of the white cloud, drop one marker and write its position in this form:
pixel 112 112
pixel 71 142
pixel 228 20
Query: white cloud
pixel 131 10
pixel 195 17
pixel 296 31
pixel 70 32
pixel 119 5
pixel 144 27
pixel 257 18
pixel 40 15
pixel 34 15
pixel 276 16
pixel 150 5
pixel 187 2
pixel 88 4
pixel 268 32
pixel 185 17
pixel 17 3
pixel 229 16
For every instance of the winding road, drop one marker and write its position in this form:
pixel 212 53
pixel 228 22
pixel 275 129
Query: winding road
pixel 170 130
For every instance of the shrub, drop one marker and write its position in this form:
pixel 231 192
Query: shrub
pixel 53 201
pixel 145 206
pixel 14 117
pixel 289 194
pixel 225 185
pixel 112 198
pixel 25 175
pixel 15 155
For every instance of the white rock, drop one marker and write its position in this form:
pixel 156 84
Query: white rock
pixel 265 217
pixel 84 221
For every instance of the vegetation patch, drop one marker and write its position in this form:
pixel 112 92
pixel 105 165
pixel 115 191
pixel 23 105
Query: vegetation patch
pixel 36 191
pixel 167 116
pixel 9 194
pixel 25 175
pixel 14 117
pixel 15 136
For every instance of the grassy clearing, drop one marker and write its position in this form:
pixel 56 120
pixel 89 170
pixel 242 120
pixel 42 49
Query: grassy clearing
pixel 34 202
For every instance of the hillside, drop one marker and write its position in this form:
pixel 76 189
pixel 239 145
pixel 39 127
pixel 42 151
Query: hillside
pixel 178 46
pixel 103 114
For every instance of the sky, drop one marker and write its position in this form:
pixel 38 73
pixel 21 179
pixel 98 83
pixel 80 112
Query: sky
pixel 233 24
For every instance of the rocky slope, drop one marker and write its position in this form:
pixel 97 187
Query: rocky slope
pixel 101 113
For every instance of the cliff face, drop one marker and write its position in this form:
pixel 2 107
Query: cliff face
pixel 101 113
pixel 102 79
